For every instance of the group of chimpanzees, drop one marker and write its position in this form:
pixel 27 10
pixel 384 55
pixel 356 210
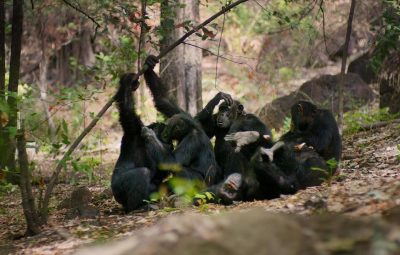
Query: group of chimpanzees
pixel 245 163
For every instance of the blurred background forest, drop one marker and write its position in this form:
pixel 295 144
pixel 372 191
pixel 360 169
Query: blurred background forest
pixel 265 53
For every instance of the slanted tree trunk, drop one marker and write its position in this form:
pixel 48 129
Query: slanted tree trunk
pixel 181 71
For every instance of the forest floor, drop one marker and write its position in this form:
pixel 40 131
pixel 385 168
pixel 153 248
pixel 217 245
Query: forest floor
pixel 368 185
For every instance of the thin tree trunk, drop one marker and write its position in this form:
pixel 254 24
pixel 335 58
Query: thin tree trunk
pixel 16 39
pixel 28 201
pixel 344 60
pixel 3 133
pixel 182 70
pixel 193 57
pixel 142 45
pixel 172 70
pixel 43 87
pixel 2 51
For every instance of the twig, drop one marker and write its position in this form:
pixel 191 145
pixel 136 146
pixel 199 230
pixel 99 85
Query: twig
pixel 220 56
pixel 77 141
pixel 378 124
pixel 86 15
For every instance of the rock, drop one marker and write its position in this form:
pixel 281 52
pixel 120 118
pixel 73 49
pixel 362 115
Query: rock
pixel 78 205
pixel 362 67
pixel 257 232
pixel 323 92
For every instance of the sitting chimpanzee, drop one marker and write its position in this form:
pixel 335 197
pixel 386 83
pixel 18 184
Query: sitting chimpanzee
pixel 280 169
pixel 315 127
pixel 135 175
pixel 230 118
pixel 194 150
pixel 193 153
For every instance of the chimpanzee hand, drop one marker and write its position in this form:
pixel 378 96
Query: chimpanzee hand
pixel 151 61
pixel 242 138
pixel 224 96
pixel 148 134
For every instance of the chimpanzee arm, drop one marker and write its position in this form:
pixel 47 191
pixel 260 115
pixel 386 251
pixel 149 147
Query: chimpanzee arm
pixel 130 121
pixel 159 91
pixel 155 148
pixel 319 140
pixel 186 150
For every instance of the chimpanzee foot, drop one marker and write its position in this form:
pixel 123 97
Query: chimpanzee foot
pixel 230 188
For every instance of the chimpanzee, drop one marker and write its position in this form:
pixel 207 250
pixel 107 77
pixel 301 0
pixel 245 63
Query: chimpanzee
pixel 230 118
pixel 135 175
pixel 281 169
pixel 194 150
pixel 315 127
pixel 193 153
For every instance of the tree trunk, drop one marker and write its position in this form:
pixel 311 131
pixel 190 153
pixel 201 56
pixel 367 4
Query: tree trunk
pixel 28 201
pixel 43 87
pixel 3 134
pixel 16 40
pixel 344 60
pixel 193 57
pixel 181 71
pixel 2 51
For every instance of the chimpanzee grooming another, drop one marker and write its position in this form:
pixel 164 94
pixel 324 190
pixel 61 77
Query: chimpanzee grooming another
pixel 280 169
pixel 230 118
pixel 315 127
pixel 193 151
pixel 135 175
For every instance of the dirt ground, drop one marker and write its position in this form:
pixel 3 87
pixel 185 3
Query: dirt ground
pixel 368 185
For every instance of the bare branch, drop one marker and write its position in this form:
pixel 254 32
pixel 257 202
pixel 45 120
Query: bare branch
pixel 221 56
pixel 86 15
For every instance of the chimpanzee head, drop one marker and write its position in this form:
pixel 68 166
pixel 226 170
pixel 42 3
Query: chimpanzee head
pixel 177 127
pixel 303 115
pixel 228 113
pixel 127 80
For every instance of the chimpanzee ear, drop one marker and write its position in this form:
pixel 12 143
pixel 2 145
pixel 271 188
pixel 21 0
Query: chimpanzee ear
pixel 300 109
pixel 240 109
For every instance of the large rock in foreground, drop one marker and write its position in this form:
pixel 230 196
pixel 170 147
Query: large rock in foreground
pixel 323 92
pixel 259 232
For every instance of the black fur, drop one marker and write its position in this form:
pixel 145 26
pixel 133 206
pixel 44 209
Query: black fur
pixel 317 128
pixel 289 171
pixel 193 152
pixel 232 110
pixel 135 175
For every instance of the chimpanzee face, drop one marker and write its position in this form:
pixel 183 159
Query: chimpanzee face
pixel 176 128
pixel 228 113
pixel 303 115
